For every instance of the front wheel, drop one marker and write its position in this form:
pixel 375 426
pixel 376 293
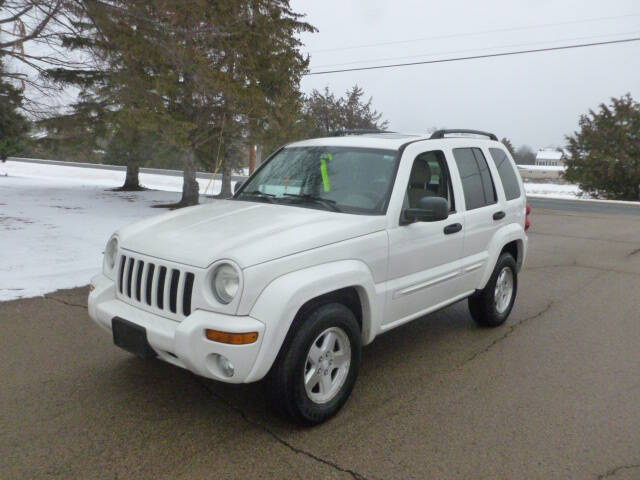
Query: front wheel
pixel 317 369
pixel 491 306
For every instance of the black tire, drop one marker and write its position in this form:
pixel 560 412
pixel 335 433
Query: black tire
pixel 482 305
pixel 285 383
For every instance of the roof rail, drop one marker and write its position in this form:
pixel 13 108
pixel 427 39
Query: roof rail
pixel 356 131
pixel 441 133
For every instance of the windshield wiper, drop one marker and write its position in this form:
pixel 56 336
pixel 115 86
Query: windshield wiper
pixel 330 204
pixel 259 194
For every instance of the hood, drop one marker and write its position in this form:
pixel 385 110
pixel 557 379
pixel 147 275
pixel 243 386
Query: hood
pixel 245 232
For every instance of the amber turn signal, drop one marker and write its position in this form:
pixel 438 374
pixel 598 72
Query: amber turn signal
pixel 231 338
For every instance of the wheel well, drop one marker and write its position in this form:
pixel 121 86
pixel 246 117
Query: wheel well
pixel 514 249
pixel 348 296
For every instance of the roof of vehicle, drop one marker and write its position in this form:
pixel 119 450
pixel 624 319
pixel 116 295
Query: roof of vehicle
pixel 386 140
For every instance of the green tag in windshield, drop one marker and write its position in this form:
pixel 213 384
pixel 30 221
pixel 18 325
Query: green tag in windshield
pixel 326 181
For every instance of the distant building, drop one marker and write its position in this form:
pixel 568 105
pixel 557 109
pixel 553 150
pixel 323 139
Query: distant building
pixel 550 157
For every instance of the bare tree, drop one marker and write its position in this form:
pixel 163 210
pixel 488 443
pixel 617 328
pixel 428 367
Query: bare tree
pixel 31 38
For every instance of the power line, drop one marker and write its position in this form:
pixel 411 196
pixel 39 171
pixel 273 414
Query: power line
pixel 452 52
pixel 475 57
pixel 481 32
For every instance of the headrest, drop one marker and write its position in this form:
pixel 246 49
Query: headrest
pixel 420 174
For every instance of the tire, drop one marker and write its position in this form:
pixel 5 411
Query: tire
pixel 312 403
pixel 488 306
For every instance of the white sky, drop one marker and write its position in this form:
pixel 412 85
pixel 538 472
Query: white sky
pixel 535 99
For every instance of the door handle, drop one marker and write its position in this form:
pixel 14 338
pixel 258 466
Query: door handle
pixel 453 228
pixel 499 215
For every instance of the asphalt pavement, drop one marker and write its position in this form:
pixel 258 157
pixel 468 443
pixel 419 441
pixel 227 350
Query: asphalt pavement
pixel 554 393
pixel 589 206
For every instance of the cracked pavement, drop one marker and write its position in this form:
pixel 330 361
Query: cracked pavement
pixel 554 393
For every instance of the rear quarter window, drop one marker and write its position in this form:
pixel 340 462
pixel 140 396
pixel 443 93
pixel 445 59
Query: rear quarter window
pixel 507 174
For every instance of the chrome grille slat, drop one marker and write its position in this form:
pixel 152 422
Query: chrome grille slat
pixel 167 287
pixel 164 289
pixel 154 286
pixel 148 283
pixel 143 282
pixel 180 293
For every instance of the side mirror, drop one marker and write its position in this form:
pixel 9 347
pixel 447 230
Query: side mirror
pixel 238 185
pixel 432 209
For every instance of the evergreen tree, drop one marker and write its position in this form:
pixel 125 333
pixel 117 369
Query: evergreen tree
pixel 324 113
pixel 358 113
pixel 507 143
pixel 13 125
pixel 605 152
pixel 201 75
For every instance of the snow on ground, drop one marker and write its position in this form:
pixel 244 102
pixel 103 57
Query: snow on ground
pixel 553 190
pixel 546 168
pixel 55 221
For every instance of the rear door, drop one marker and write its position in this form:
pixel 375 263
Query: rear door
pixel 484 213
pixel 515 202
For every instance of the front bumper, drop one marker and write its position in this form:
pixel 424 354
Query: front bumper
pixel 182 343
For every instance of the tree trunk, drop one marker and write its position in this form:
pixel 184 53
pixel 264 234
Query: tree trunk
pixel 132 181
pixel 190 187
pixel 252 158
pixel 226 192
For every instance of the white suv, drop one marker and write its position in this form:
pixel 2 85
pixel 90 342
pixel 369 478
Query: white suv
pixel 331 242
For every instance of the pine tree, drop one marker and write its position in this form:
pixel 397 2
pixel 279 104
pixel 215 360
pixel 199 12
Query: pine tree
pixel 13 125
pixel 507 143
pixel 359 114
pixel 324 113
pixel 605 152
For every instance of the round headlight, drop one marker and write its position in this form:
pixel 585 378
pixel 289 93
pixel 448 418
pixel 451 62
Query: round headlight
pixel 110 253
pixel 225 283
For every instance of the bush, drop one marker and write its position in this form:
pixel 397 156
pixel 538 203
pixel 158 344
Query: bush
pixel 605 153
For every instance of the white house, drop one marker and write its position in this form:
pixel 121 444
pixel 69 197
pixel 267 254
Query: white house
pixel 550 157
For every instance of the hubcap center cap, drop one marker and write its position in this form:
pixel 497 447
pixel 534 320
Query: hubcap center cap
pixel 325 363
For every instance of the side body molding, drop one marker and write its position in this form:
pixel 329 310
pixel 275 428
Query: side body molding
pixel 282 298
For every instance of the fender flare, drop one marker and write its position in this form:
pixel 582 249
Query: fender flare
pixel 281 300
pixel 507 234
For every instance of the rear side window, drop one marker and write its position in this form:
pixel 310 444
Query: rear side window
pixel 477 183
pixel 506 172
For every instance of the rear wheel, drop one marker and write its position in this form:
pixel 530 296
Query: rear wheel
pixel 491 306
pixel 317 369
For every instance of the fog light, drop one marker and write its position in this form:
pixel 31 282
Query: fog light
pixel 225 365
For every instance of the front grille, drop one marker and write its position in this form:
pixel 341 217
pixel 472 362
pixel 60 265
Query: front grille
pixel 149 284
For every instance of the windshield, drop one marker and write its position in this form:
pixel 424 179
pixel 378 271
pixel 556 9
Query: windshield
pixel 341 179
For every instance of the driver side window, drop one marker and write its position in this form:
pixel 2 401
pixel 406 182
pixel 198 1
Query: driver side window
pixel 429 178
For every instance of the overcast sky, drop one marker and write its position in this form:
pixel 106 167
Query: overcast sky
pixel 533 99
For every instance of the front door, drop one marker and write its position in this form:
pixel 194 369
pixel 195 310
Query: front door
pixel 424 257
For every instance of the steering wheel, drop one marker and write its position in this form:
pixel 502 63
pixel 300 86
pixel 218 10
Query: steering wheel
pixel 369 195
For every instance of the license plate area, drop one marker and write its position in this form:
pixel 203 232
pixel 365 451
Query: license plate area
pixel 131 337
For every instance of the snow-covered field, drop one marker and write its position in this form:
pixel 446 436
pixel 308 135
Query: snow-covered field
pixel 55 220
pixel 553 190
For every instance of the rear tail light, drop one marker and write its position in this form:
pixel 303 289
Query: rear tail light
pixel 527 219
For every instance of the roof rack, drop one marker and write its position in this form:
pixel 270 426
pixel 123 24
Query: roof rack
pixel 356 131
pixel 441 133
